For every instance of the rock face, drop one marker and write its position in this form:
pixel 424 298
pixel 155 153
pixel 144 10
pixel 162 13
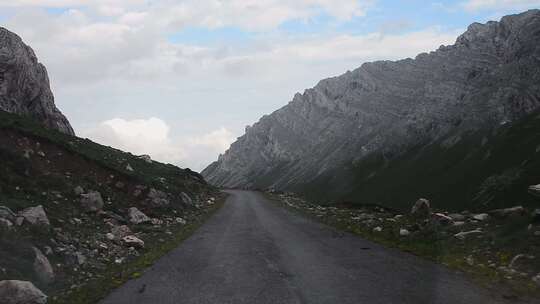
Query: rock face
pixel 19 292
pixel 384 110
pixel 24 84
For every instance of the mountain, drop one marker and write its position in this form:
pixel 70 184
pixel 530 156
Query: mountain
pixel 459 125
pixel 24 84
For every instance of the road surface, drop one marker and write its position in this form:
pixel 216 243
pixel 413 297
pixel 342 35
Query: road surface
pixel 252 251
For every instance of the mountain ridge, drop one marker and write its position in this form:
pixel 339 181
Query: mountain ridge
pixel 24 84
pixel 488 78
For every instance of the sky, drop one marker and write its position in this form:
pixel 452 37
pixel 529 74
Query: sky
pixel 181 79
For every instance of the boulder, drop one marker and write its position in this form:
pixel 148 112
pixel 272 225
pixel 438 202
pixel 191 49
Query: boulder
pixel 180 220
pixel 535 190
pixel 481 217
pixel 120 232
pixel 7 214
pixel 5 224
pixel 78 190
pixel 157 198
pixel 42 267
pixel 20 292
pixel 508 212
pixel 133 241
pixel 92 201
pixel 442 219
pixel 404 232
pixel 536 279
pixel 458 217
pixel 464 235
pixel 422 208
pixel 378 229
pixel 35 216
pixel 146 158
pixel 137 217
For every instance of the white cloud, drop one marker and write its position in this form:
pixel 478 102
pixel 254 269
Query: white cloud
pixel 152 136
pixel 474 5
pixel 113 58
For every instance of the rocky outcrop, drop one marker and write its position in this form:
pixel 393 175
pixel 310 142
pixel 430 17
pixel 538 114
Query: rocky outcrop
pixel 383 110
pixel 24 84
pixel 18 292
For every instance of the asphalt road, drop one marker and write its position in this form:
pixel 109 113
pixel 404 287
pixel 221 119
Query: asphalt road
pixel 252 251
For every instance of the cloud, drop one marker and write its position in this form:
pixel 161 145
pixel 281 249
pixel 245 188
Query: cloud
pixel 475 5
pixel 152 136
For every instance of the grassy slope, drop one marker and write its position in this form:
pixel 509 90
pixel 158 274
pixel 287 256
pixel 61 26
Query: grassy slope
pixel 49 181
pixel 485 169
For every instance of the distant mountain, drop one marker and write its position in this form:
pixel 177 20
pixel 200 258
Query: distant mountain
pixel 24 84
pixel 459 125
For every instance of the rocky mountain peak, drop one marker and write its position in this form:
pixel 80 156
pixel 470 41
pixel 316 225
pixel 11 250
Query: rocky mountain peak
pixel 382 110
pixel 24 84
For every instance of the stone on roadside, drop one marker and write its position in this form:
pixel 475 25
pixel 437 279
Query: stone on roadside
pixel 457 217
pixel 536 279
pixel 535 190
pixel 5 224
pixel 463 235
pixel 7 214
pixel 481 217
pixel 422 208
pixel 180 220
pixel 20 292
pixel 120 231
pixel 42 267
pixel 135 216
pixel 442 219
pixel 378 229
pixel 78 190
pixel 92 201
pixel 35 216
pixel 133 241
pixel 404 232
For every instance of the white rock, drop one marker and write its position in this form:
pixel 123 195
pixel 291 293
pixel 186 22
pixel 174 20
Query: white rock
pixel 129 168
pixel 146 158
pixel 377 229
pixel 180 220
pixel 42 267
pixel 110 236
pixel 458 224
pixel 133 241
pixel 457 217
pixel 404 232
pixel 92 201
pixel 536 279
pixel 421 208
pixel 35 216
pixel 463 235
pixel 78 190
pixel 135 216
pixel 20 292
pixel 481 217
pixel 5 224
pixel 535 190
